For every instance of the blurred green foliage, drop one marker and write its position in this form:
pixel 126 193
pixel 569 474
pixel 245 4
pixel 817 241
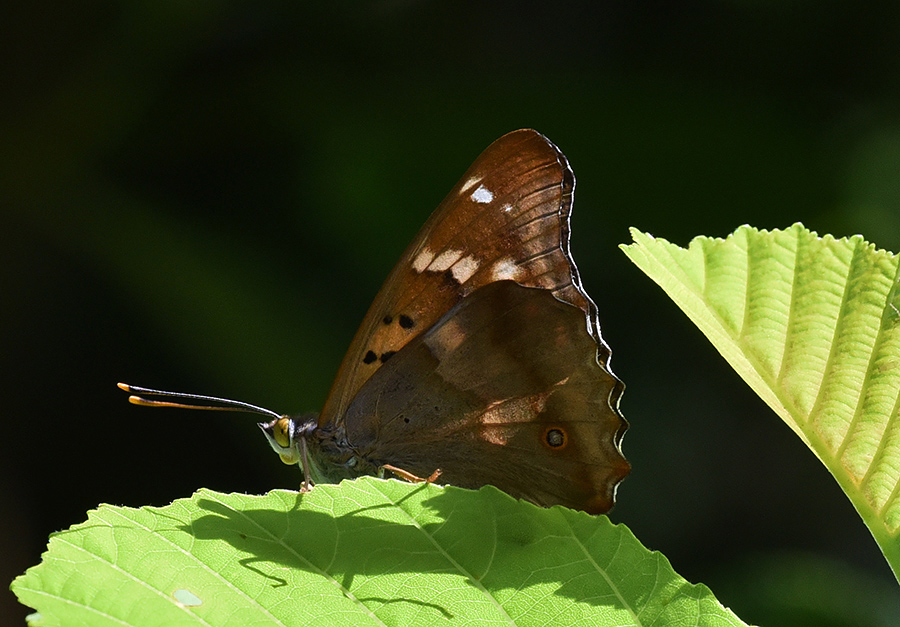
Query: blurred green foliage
pixel 206 196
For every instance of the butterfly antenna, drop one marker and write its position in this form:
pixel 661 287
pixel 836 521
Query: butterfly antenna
pixel 223 404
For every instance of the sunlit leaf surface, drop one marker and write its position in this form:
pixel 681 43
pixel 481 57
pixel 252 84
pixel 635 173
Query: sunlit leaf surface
pixel 812 324
pixel 365 552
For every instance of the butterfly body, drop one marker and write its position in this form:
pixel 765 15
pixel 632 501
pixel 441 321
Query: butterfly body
pixel 481 356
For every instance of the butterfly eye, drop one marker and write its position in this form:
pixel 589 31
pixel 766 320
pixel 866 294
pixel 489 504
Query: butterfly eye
pixel 282 432
pixel 555 438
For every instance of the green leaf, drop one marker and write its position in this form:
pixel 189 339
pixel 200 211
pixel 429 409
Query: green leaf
pixel 365 552
pixel 811 324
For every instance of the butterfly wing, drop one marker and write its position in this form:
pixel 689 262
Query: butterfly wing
pixel 506 219
pixel 481 354
pixel 503 390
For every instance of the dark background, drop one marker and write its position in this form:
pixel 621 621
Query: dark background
pixel 205 197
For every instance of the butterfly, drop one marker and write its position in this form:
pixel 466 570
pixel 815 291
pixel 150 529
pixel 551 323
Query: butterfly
pixel 480 360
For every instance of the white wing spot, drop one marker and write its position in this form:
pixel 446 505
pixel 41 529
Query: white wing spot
pixel 423 260
pixel 444 260
pixel 507 208
pixel 465 268
pixel 482 195
pixel 468 184
pixel 505 270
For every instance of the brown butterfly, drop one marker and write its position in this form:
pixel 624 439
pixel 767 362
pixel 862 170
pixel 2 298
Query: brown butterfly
pixel 480 361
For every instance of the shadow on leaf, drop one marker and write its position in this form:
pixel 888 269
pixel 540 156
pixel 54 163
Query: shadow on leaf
pixel 441 536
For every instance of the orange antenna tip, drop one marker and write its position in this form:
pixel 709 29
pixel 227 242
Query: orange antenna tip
pixel 193 401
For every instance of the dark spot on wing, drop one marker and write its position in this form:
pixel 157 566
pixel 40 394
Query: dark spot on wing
pixel 370 357
pixel 387 319
pixel 556 438
pixel 387 355
pixel 406 322
pixel 449 278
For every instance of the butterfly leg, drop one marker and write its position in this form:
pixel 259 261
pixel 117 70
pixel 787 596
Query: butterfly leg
pixel 408 476
pixel 306 485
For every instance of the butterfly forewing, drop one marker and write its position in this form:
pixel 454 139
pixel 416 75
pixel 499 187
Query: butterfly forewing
pixel 506 219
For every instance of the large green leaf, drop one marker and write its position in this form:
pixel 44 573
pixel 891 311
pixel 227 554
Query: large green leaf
pixel 811 323
pixel 365 552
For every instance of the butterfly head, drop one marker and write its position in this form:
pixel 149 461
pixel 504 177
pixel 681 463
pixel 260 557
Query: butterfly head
pixel 287 436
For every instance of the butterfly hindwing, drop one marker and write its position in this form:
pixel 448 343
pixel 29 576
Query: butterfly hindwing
pixel 503 390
